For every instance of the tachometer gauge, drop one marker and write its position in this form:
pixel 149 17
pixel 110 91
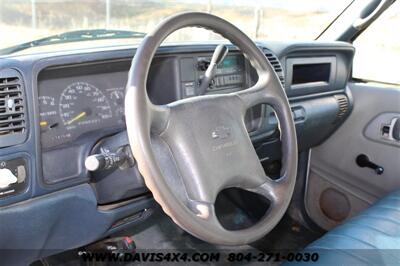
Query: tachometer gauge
pixel 82 104
pixel 48 113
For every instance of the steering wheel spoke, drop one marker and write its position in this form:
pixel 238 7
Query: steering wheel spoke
pixel 257 94
pixel 159 117
pixel 273 190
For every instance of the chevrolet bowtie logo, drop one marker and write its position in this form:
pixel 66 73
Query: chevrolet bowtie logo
pixel 221 132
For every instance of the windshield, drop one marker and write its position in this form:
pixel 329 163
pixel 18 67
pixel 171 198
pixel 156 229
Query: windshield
pixel 24 21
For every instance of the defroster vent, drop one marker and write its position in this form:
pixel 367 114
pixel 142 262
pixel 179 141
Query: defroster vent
pixel 12 108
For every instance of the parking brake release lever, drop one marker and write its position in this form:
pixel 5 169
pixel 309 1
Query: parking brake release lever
pixel 362 160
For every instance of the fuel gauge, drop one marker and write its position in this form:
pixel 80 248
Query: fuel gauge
pixel 48 113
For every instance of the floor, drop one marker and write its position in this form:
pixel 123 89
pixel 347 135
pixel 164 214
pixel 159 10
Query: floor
pixel 287 236
pixel 160 233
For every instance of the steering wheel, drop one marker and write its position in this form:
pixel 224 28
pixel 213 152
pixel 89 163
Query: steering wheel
pixel 191 149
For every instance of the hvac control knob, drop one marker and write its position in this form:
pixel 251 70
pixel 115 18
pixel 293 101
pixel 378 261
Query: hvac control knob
pixel 7 178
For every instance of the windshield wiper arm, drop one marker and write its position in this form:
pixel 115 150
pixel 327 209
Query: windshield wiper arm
pixel 75 36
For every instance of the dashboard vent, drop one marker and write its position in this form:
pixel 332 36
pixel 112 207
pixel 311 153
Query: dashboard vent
pixel 12 108
pixel 343 103
pixel 276 64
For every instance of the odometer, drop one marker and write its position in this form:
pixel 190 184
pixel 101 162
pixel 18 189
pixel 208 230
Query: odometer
pixel 83 105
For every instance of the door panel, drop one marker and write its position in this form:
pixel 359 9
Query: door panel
pixel 337 187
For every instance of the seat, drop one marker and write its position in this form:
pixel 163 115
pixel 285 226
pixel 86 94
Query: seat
pixel 370 238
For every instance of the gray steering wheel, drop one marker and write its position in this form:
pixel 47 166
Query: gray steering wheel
pixel 191 149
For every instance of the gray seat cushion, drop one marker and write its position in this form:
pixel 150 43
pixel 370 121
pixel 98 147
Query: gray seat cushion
pixel 370 238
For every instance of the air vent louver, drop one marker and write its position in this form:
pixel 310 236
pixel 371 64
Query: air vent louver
pixel 274 61
pixel 343 103
pixel 12 108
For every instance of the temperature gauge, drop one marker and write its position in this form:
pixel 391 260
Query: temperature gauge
pixel 117 96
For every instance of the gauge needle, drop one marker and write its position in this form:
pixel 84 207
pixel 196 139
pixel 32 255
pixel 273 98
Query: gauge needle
pixel 76 118
pixel 43 123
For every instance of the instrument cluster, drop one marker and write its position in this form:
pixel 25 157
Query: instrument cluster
pixel 70 108
pixel 77 101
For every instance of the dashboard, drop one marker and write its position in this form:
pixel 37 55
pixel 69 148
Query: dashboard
pixel 74 102
pixel 77 102
pixel 69 105
pixel 81 102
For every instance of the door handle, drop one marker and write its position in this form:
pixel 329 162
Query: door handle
pixel 396 129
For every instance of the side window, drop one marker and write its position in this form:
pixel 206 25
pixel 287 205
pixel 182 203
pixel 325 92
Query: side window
pixel 378 49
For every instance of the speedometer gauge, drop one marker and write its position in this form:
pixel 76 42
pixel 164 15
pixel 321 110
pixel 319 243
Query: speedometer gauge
pixel 82 104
